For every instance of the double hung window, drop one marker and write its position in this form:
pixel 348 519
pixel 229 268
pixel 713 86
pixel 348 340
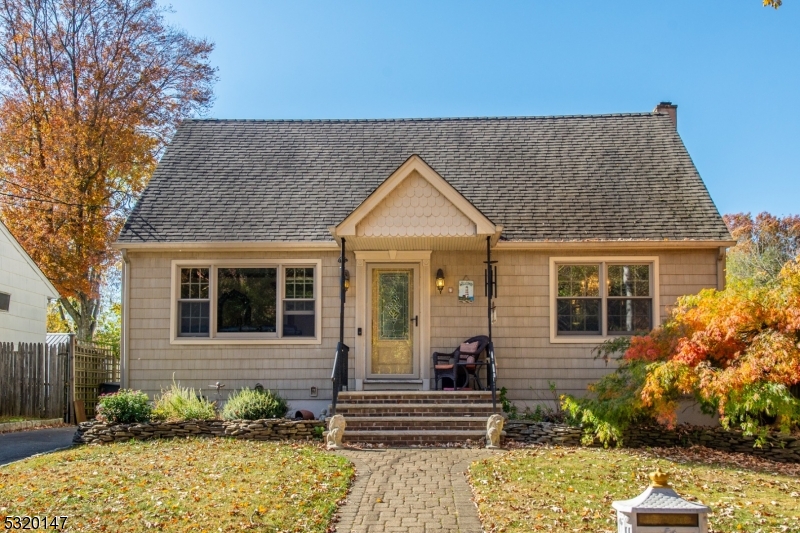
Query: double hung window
pixel 193 303
pixel 298 302
pixel 249 301
pixel 603 298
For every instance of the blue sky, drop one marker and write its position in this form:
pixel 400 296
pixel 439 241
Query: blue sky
pixel 733 68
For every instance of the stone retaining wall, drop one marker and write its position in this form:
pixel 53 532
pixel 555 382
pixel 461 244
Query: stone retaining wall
pixel 783 448
pixel 531 432
pixel 271 429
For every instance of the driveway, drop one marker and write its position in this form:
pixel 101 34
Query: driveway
pixel 22 444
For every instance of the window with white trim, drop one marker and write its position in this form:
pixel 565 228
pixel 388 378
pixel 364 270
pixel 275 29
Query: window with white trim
pixel 603 298
pixel 247 301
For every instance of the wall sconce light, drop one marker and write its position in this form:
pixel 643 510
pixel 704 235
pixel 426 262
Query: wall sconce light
pixel 440 280
pixel 346 280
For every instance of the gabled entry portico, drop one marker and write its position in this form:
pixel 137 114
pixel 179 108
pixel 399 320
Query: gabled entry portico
pixel 393 233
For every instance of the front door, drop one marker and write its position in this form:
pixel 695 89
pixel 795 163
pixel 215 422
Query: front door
pixel 394 322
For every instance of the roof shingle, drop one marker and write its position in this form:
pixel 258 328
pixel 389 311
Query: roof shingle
pixel 568 178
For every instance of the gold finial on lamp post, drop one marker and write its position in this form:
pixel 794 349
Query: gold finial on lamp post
pixel 659 479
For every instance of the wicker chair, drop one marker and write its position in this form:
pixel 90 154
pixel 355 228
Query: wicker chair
pixel 460 366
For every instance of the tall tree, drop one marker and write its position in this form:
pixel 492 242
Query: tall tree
pixel 90 90
pixel 765 243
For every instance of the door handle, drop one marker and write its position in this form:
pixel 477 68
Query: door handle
pixel 415 320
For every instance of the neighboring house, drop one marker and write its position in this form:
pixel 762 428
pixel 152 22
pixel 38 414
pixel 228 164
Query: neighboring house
pixel 24 293
pixel 597 223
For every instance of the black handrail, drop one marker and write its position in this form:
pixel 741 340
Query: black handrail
pixel 339 374
pixel 491 292
pixel 492 377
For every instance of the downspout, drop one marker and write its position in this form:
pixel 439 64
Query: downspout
pixel 125 333
pixel 721 268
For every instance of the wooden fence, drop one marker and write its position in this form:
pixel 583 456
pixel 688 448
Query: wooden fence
pixel 34 380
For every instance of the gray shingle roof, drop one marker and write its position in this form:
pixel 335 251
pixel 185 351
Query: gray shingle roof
pixel 604 177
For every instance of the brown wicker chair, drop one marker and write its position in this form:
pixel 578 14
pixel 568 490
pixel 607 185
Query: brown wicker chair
pixel 457 365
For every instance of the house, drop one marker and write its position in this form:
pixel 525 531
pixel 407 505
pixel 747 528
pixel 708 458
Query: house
pixel 597 225
pixel 24 293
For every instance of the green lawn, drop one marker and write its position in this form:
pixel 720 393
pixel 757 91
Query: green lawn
pixel 180 485
pixel 571 489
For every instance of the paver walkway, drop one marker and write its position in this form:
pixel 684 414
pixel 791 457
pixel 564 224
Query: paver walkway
pixel 412 490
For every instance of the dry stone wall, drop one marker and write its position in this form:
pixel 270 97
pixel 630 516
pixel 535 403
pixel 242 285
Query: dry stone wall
pixel 531 432
pixel 783 448
pixel 270 429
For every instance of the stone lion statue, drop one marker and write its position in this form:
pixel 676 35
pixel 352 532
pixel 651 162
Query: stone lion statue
pixel 494 428
pixel 336 427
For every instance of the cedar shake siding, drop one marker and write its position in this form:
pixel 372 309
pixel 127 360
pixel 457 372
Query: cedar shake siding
pixel 526 358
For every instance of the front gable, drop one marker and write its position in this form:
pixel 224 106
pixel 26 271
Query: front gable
pixel 415 201
pixel 415 208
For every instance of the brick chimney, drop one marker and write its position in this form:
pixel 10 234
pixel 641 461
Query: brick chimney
pixel 670 109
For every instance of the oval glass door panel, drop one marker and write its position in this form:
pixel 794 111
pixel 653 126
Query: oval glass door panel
pixel 392 331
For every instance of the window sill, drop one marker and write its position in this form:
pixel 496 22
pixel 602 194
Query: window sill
pixel 195 341
pixel 583 339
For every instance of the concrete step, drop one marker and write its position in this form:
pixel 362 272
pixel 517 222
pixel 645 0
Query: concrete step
pixel 416 423
pixel 414 409
pixel 410 437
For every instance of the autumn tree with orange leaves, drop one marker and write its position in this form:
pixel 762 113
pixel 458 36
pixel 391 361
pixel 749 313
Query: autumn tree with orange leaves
pixel 90 91
pixel 736 352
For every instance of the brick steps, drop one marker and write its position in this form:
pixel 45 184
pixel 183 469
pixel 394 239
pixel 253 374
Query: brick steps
pixel 404 418
pixel 415 423
pixel 414 409
pixel 419 397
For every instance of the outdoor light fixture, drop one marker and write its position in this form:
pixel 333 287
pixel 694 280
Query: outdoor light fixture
pixel 440 280
pixel 346 280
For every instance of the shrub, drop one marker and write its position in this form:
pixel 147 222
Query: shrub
pixel 249 404
pixel 736 352
pixel 182 403
pixel 124 407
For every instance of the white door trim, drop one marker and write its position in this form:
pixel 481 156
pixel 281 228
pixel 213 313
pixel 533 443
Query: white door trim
pixel 423 259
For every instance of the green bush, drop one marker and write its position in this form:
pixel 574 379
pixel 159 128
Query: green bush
pixel 614 405
pixel 249 404
pixel 124 407
pixel 182 403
